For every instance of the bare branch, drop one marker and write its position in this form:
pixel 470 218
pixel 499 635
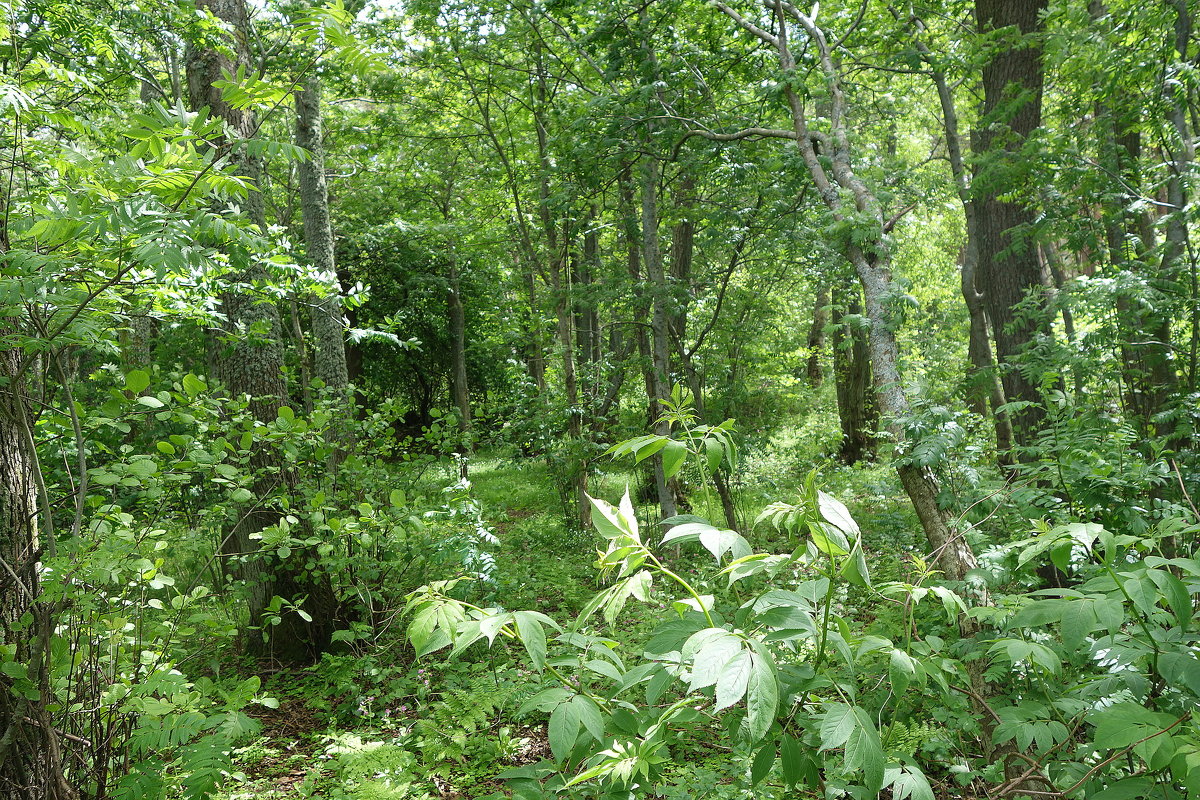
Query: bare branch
pixel 766 36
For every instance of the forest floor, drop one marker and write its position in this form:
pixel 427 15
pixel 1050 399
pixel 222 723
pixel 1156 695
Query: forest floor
pixel 375 724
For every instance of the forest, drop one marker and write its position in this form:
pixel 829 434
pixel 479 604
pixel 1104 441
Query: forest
pixel 546 399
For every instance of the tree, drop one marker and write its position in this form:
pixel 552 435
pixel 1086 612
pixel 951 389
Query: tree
pixel 1009 274
pixel 328 325
pixel 249 359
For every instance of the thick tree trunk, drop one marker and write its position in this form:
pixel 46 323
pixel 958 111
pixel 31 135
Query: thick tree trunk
pixel 1008 268
pixel 857 409
pixel 251 364
pixel 31 758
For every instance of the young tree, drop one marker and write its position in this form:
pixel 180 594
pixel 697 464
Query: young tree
pixel 829 160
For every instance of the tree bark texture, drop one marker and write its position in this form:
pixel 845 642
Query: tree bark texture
pixel 31 758
pixel 857 410
pixel 328 325
pixel 1008 267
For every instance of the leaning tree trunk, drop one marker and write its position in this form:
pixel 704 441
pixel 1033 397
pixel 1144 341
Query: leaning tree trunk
pixel 252 366
pixel 845 194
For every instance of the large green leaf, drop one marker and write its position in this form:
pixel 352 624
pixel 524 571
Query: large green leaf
pixel 710 650
pixel 836 725
pixel 865 751
pixel 733 680
pixel 563 729
pixel 762 693
pixel 673 456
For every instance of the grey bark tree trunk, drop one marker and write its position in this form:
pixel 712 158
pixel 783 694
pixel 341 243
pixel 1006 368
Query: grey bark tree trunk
pixel 845 193
pixel 328 323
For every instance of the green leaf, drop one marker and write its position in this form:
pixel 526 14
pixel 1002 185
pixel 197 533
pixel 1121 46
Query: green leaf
pixel 149 401
pixel 673 456
pixel 834 511
pixel 902 670
pixel 836 725
pixel 137 381
pixel 1181 671
pixel 733 680
pixel 710 649
pixel 911 782
pixel 545 700
pixel 563 730
pixel 762 693
pixel 764 759
pixel 713 454
pixel 864 750
pixel 529 628
pixel 794 761
pixel 1127 789
pixel 589 715
pixel 241 495
pixel 193 385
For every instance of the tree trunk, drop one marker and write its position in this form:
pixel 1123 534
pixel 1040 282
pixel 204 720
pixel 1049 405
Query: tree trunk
pixel 816 336
pixel 844 193
pixel 31 762
pixel 251 364
pixel 857 409
pixel 660 354
pixel 983 379
pixel 328 326
pixel 1008 268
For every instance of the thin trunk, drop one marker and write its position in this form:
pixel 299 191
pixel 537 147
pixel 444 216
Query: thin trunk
pixel 857 409
pixel 816 336
pixel 640 311
pixel 983 379
pixel 660 354
pixel 328 326
pixel 460 388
